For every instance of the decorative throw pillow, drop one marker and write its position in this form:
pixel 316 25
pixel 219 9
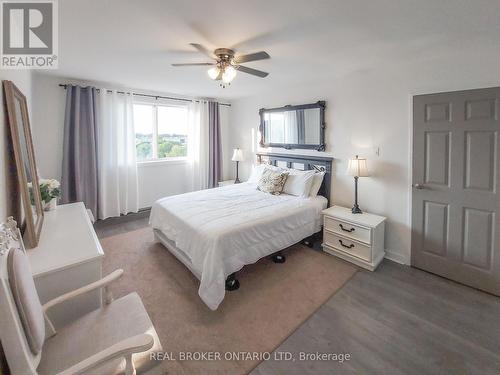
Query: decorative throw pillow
pixel 257 171
pixel 272 181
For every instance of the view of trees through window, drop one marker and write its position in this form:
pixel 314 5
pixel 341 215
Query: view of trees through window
pixel 160 131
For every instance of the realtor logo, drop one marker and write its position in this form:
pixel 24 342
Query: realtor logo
pixel 29 34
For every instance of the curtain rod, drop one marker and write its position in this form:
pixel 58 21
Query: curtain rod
pixel 153 96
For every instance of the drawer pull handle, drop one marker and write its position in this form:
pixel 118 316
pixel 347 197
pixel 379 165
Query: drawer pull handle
pixel 346 230
pixel 347 246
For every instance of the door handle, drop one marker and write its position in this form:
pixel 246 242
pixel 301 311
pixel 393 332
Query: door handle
pixel 419 186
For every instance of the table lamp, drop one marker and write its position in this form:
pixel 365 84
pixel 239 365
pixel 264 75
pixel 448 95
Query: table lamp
pixel 357 168
pixel 237 157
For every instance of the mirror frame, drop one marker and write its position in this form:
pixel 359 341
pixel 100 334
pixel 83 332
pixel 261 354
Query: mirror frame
pixel 288 146
pixel 29 228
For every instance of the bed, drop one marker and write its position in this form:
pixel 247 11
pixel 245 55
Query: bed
pixel 216 232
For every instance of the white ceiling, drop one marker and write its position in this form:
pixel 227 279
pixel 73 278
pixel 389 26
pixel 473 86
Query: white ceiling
pixel 132 43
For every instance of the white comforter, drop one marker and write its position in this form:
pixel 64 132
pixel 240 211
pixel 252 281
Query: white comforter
pixel 223 229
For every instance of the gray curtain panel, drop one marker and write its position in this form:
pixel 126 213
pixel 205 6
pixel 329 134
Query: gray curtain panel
pixel 215 145
pixel 79 172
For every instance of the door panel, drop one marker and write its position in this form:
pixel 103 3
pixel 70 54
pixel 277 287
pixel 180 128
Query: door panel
pixel 482 109
pixel 435 228
pixel 437 157
pixel 480 150
pixel 437 112
pixel 455 231
pixel 478 242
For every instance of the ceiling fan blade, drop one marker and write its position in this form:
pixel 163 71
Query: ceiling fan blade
pixel 255 72
pixel 203 50
pixel 252 57
pixel 194 64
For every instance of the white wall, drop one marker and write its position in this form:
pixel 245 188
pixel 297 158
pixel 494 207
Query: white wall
pixel 156 180
pixel 367 110
pixel 22 79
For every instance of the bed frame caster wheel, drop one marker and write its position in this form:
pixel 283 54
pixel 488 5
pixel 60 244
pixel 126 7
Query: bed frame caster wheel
pixel 232 283
pixel 279 258
pixel 309 241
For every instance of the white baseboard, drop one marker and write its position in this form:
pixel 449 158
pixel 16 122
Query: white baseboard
pixel 397 257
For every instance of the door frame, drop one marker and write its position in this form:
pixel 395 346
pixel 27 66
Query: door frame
pixel 410 176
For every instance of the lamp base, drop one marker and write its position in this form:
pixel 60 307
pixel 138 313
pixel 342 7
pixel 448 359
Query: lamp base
pixel 356 210
pixel 237 180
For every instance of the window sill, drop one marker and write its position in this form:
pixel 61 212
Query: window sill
pixel 160 162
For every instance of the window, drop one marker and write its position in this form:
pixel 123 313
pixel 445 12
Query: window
pixel 143 124
pixel 160 131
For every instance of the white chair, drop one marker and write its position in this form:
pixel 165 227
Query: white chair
pixel 118 338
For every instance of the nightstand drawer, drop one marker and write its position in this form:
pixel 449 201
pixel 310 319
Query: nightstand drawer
pixel 346 245
pixel 348 230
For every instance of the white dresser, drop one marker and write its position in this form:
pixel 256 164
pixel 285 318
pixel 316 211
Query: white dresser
pixel 67 257
pixel 357 238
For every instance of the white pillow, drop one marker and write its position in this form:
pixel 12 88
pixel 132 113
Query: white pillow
pixel 316 185
pixel 299 183
pixel 257 171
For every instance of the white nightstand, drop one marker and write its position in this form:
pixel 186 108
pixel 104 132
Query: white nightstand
pixel 225 183
pixel 357 238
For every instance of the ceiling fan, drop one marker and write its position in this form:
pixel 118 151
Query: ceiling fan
pixel 227 64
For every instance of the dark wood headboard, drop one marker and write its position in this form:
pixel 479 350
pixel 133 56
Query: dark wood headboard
pixel 319 163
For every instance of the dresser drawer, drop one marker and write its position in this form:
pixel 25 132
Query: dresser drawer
pixel 346 245
pixel 348 230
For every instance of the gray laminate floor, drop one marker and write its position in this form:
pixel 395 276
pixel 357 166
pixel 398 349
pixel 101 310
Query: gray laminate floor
pixel 397 320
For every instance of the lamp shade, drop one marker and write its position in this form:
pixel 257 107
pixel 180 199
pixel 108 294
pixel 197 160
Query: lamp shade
pixel 358 167
pixel 214 72
pixel 237 155
pixel 229 74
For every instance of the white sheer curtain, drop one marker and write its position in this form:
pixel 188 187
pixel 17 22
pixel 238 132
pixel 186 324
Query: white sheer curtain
pixel 118 186
pixel 198 144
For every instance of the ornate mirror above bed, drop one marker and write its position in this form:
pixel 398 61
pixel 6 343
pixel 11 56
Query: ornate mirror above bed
pixel 298 126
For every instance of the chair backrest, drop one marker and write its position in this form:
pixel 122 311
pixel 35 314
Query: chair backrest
pixel 26 298
pixel 22 334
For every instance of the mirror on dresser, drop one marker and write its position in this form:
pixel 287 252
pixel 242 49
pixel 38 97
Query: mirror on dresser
pixel 31 216
pixel 299 126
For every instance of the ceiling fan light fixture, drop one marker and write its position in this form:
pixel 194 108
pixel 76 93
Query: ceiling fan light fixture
pixel 228 74
pixel 213 73
pixel 226 65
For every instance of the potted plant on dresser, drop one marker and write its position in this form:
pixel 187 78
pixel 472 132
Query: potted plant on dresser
pixel 50 191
